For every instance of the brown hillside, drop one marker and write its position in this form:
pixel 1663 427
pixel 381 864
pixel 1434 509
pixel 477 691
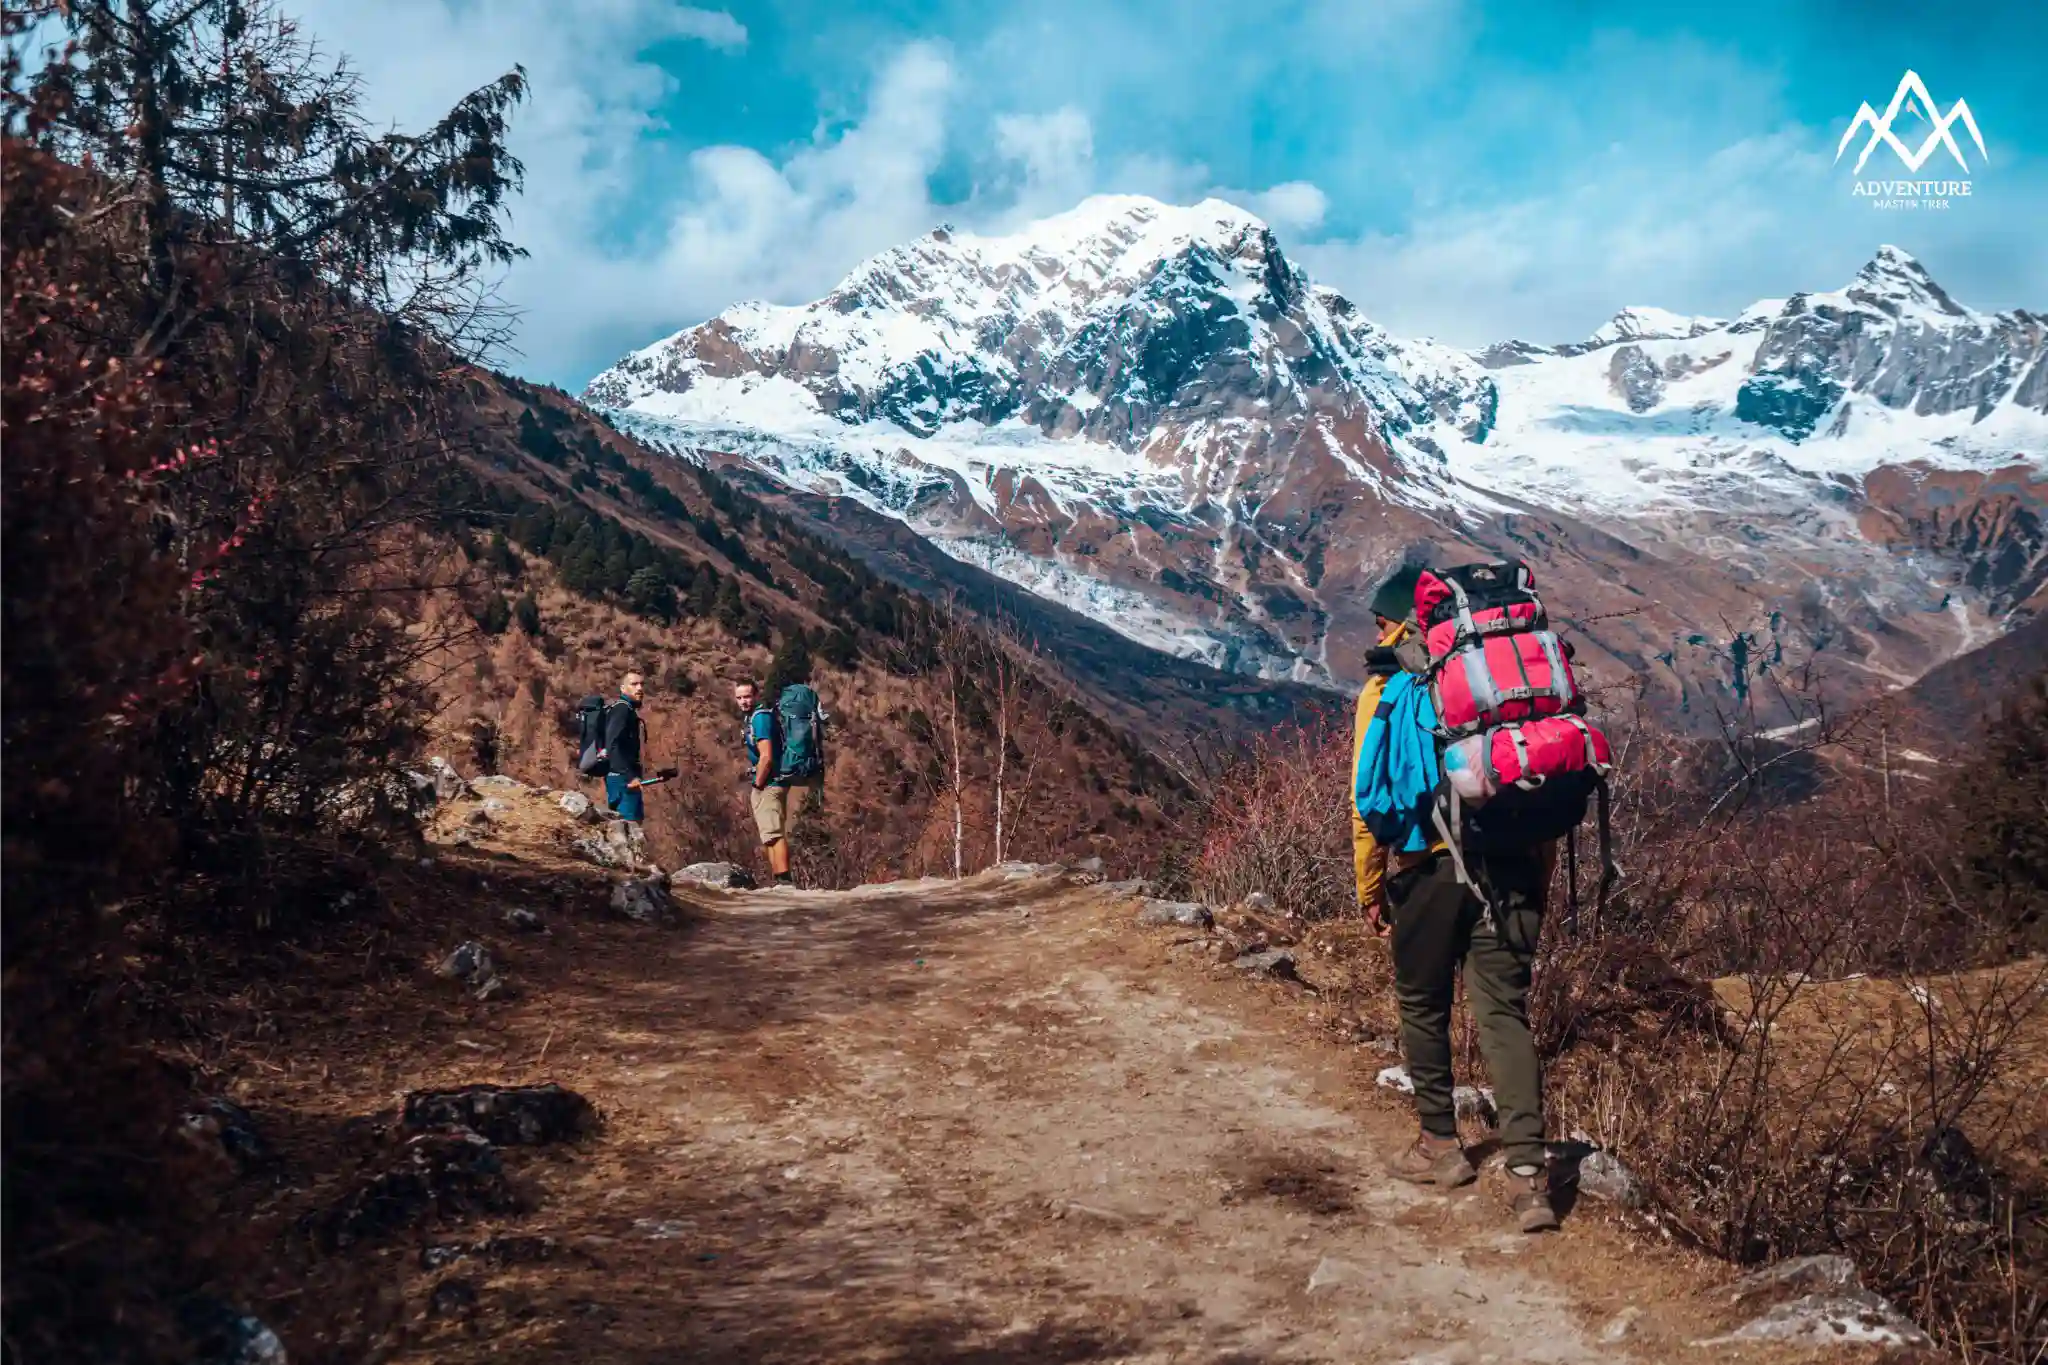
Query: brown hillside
pixel 1076 787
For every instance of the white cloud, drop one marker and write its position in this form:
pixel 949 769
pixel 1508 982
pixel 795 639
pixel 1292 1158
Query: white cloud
pixel 749 228
pixel 713 26
pixel 1294 207
pixel 1053 155
pixel 1704 238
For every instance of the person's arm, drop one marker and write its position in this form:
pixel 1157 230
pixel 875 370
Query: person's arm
pixel 1368 859
pixel 764 751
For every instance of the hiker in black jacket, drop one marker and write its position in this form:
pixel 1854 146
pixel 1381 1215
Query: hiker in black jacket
pixel 622 751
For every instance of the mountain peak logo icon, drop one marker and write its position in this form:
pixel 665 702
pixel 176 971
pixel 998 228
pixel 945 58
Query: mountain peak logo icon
pixel 1912 97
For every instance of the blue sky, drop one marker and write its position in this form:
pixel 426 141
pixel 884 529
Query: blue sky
pixel 1462 169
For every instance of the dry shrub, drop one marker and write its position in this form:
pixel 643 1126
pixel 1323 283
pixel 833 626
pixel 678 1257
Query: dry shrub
pixel 1277 820
pixel 1846 1084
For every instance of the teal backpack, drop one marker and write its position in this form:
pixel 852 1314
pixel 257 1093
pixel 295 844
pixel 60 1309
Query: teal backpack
pixel 800 726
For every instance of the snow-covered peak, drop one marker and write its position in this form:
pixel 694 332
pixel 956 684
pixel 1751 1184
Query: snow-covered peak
pixel 1132 228
pixel 1896 284
pixel 1652 324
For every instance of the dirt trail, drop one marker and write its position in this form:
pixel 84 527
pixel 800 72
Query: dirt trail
pixel 990 1121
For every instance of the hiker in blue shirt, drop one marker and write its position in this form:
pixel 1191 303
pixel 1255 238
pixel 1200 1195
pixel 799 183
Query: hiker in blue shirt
pixel 776 793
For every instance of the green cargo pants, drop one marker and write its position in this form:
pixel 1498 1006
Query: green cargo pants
pixel 1438 924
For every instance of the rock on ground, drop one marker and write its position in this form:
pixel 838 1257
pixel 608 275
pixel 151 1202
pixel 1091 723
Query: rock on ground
pixel 645 902
pixel 576 804
pixel 472 964
pixel 1600 1175
pixel 440 1175
pixel 1184 913
pixel 510 1116
pixel 228 1336
pixel 1817 1300
pixel 448 784
pixel 496 784
pixel 1273 962
pixel 522 920
pixel 720 876
pixel 220 1120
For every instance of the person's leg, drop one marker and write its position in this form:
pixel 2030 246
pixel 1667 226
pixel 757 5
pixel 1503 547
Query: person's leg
pixel 770 818
pixel 1497 971
pixel 1428 910
pixel 614 788
pixel 632 803
pixel 797 796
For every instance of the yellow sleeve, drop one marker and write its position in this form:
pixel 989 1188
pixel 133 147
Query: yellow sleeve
pixel 1368 859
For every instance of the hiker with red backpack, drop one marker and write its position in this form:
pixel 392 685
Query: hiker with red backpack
pixel 1471 760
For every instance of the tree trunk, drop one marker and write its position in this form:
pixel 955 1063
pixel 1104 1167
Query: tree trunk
pixel 959 821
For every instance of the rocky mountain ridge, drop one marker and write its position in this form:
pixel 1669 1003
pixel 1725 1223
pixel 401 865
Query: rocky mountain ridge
pixel 1151 415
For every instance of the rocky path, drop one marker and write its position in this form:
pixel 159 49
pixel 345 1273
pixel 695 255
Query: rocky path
pixel 992 1121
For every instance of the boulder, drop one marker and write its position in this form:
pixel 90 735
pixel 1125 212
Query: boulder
pixel 596 850
pixel 720 876
pixel 220 1121
pixel 1796 1277
pixel 472 965
pixel 644 902
pixel 1474 1102
pixel 1136 888
pixel 508 1115
pixel 226 1335
pixel 1602 1176
pixel 1186 914
pixel 1817 1300
pixel 576 804
pixel 1273 962
pixel 453 1173
pixel 454 1297
pixel 1091 867
pixel 448 784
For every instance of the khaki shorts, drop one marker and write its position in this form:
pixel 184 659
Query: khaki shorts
pixel 776 808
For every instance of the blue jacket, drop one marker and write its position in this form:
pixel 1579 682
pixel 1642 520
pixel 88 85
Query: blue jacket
pixel 1395 780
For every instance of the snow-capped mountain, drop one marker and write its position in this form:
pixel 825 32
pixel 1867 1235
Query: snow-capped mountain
pixel 1149 413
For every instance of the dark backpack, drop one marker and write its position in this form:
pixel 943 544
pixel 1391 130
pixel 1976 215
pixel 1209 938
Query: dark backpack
pixel 800 733
pixel 590 755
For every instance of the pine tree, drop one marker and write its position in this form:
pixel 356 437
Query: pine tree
pixel 791 664
pixel 839 649
pixel 222 122
pixel 526 611
pixel 496 614
pixel 732 608
pixel 648 593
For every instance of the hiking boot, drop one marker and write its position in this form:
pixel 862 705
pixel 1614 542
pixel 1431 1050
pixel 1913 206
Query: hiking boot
pixel 784 879
pixel 1439 1161
pixel 1533 1209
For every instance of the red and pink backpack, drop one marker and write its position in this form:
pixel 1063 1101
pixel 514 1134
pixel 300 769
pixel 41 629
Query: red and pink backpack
pixel 1520 760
